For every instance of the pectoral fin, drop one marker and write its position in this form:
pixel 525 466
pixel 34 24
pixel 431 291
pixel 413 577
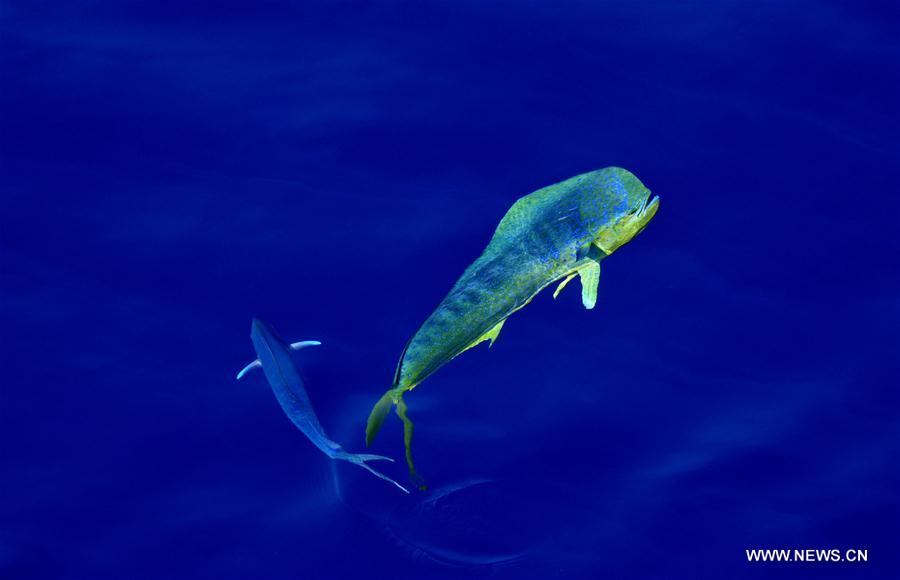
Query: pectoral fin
pixel 490 335
pixel 562 284
pixel 294 346
pixel 590 278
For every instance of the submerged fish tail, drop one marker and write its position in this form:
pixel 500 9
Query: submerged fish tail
pixel 376 420
pixel 360 459
pixel 407 443
pixel 378 415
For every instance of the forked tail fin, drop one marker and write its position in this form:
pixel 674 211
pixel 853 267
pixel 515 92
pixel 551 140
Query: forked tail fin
pixel 376 420
pixel 361 458
pixel 378 415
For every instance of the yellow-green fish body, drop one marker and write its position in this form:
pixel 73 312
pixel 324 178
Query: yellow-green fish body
pixel 556 233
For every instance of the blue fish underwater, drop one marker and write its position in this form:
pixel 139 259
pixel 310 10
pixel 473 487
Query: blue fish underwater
pixel 275 359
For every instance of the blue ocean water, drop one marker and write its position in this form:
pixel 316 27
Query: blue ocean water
pixel 171 170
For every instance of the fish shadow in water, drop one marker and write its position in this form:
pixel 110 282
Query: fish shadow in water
pixel 478 523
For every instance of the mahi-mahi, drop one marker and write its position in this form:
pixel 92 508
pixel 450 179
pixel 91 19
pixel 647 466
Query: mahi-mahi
pixel 552 235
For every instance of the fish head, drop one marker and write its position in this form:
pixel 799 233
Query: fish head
pixel 630 207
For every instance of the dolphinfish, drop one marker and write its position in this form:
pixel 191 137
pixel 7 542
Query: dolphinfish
pixel 552 235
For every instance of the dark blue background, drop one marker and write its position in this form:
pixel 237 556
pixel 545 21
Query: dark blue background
pixel 168 172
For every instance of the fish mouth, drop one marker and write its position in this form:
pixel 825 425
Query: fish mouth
pixel 652 206
pixel 651 203
pixel 646 212
pixel 628 226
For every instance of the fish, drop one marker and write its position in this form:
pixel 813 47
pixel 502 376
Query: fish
pixel 274 356
pixel 551 235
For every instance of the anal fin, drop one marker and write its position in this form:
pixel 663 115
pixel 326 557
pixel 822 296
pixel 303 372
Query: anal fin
pixel 490 335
